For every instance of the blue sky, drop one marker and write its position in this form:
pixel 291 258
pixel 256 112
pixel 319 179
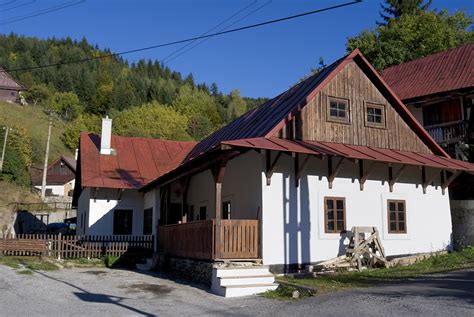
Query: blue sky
pixel 260 62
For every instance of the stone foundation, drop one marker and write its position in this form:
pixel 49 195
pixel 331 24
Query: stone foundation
pixel 462 216
pixel 195 271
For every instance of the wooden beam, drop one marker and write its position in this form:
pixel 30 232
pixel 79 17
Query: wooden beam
pixel 299 169
pixel 364 175
pixel 428 181
pixel 394 178
pixel 449 180
pixel 333 173
pixel 218 178
pixel 271 165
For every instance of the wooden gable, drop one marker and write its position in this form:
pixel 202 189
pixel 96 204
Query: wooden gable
pixel 313 121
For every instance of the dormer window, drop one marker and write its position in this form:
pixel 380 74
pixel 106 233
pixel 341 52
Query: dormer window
pixel 338 110
pixel 375 115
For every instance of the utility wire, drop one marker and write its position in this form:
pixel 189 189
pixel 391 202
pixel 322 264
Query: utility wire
pixel 223 29
pixel 7 3
pixel 19 6
pixel 251 26
pixel 41 12
pixel 209 31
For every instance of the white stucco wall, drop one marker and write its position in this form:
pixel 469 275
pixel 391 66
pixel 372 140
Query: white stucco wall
pixel 241 186
pixel 293 218
pixel 99 211
pixel 417 113
pixel 152 200
pixel 56 190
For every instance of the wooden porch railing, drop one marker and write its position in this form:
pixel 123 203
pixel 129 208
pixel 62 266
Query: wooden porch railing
pixel 239 239
pixel 450 132
pixel 190 240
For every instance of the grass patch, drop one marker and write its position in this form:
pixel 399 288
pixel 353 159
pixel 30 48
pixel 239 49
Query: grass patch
pixel 84 262
pixel 25 272
pixel 35 120
pixel 285 293
pixel 32 263
pixel 344 280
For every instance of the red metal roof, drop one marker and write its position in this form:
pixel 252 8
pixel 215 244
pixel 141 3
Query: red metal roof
pixel 440 72
pixel 136 161
pixel 353 152
pixel 267 119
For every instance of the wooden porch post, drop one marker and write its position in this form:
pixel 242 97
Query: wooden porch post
pixel 218 177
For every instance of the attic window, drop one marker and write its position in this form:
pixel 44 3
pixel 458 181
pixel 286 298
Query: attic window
pixel 375 115
pixel 338 110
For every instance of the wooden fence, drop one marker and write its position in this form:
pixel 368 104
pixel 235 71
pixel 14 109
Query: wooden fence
pixel 71 246
pixel 239 239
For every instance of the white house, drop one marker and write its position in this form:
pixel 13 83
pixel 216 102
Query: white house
pixel 60 177
pixel 110 171
pixel 283 183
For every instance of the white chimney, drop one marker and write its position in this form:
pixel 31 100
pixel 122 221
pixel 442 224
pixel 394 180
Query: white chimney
pixel 105 139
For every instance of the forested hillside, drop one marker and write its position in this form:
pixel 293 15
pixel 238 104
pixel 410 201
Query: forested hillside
pixel 112 85
pixel 144 99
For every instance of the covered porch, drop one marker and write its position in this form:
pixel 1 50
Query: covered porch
pixel 212 211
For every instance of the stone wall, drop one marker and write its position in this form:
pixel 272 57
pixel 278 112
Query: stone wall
pixel 462 214
pixel 195 271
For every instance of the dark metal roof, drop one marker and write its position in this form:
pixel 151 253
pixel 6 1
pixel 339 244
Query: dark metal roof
pixel 440 72
pixel 136 161
pixel 353 152
pixel 260 121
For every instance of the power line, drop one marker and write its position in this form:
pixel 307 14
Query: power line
pixel 210 30
pixel 7 3
pixel 42 12
pixel 251 26
pixel 19 6
pixel 223 29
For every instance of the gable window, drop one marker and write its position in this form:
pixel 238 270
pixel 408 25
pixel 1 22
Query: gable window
pixel 123 221
pixel 334 214
pixel 396 216
pixel 375 115
pixel 147 221
pixel 338 110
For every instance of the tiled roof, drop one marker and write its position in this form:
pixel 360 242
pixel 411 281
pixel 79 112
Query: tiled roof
pixel 440 72
pixel 136 161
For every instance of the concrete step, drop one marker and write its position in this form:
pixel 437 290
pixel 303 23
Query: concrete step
pixel 241 272
pixel 245 290
pixel 246 280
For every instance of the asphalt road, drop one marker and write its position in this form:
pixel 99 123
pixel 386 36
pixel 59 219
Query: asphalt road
pixel 104 292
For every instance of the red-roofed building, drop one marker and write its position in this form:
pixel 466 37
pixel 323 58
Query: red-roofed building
pixel 106 195
pixel 439 91
pixel 282 184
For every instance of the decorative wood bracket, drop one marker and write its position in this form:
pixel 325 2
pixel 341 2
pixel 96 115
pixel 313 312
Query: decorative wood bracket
pixel 447 181
pixel 271 165
pixel 300 167
pixel 364 175
pixel 332 173
pixel 427 181
pixel 394 178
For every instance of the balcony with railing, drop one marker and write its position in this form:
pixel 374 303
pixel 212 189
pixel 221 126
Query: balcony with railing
pixel 449 132
pixel 232 239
